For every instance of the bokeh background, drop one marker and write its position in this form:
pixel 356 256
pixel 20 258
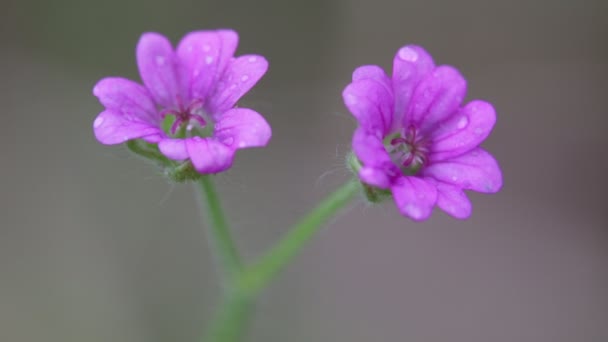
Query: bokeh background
pixel 96 246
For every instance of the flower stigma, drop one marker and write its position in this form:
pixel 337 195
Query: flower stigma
pixel 408 150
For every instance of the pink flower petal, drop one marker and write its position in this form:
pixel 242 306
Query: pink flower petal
pixel 204 56
pixel 158 67
pixel 127 97
pixel 209 155
pixel 463 131
pixel 436 98
pixel 374 177
pixel 371 103
pixel 174 149
pixel 475 170
pixel 240 76
pixel 242 128
pixel 414 197
pixel 112 127
pixel 452 200
pixel 373 72
pixel 370 150
pixel 410 65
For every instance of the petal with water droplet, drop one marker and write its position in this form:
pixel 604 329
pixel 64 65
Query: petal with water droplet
pixel 414 197
pixel 111 127
pixel 242 72
pixel 452 138
pixel 158 68
pixel 475 170
pixel 242 128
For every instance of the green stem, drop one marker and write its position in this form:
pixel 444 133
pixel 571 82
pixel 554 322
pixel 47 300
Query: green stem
pixel 231 319
pixel 236 309
pixel 230 262
pixel 258 275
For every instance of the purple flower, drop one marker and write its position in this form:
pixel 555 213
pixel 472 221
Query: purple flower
pixel 416 140
pixel 186 105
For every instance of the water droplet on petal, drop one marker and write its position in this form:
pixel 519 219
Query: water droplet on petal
pixel 252 59
pixel 462 122
pixel 98 122
pixel 209 59
pixel 408 54
pixel 454 178
pixel 160 60
pixel 244 78
pixel 228 140
pixel 206 47
pixel 232 87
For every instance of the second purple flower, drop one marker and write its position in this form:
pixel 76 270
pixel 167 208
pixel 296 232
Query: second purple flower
pixel 187 102
pixel 416 140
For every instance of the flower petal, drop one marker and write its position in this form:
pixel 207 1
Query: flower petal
pixel 452 199
pixel 410 65
pixel 371 103
pixel 174 149
pixel 436 98
pixel 464 131
pixel 374 177
pixel 127 97
pixel 112 127
pixel 204 56
pixel 414 197
pixel 370 151
pixel 242 128
pixel 240 75
pixel 373 72
pixel 475 170
pixel 158 67
pixel 209 155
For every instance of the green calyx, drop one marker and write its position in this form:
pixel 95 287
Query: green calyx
pixel 179 172
pixel 372 194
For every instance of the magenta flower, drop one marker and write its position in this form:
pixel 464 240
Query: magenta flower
pixel 186 105
pixel 416 140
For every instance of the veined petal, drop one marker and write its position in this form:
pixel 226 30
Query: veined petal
pixel 371 103
pixel 463 132
pixel 127 97
pixel 174 149
pixel 436 98
pixel 204 56
pixel 112 127
pixel 475 170
pixel 452 199
pixel 414 197
pixel 240 75
pixel 242 128
pixel 370 151
pixel 410 65
pixel 158 67
pixel 209 155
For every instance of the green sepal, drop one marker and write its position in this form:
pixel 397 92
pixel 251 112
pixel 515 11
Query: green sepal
pixel 182 173
pixel 148 151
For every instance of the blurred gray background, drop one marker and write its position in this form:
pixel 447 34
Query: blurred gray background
pixel 96 246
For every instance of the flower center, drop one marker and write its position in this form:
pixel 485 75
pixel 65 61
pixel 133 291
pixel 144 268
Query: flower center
pixel 407 149
pixel 190 120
